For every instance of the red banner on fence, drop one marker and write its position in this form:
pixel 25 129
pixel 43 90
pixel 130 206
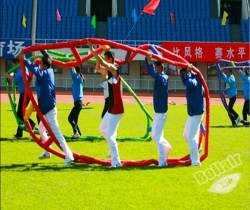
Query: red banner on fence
pixel 209 51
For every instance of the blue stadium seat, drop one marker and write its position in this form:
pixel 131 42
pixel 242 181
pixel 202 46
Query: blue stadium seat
pixel 228 36
pixel 223 33
pixel 194 9
pixel 247 30
pixel 218 29
pixel 187 29
pixel 198 29
pixel 173 33
pixel 207 8
pixel 109 28
pixel 198 9
pixel 114 28
pixel 243 31
pixel 212 29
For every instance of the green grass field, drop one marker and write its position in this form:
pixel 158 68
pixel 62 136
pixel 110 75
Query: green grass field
pixel 30 183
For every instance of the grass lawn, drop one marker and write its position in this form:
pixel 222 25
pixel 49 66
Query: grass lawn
pixel 30 183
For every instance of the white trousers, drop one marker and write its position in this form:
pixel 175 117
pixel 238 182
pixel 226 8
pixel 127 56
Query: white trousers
pixel 43 133
pixel 162 144
pixel 108 128
pixel 191 134
pixel 51 118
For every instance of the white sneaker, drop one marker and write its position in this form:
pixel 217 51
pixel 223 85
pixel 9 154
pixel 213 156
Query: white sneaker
pixel 164 164
pixel 117 165
pixel 67 163
pixel 196 164
pixel 44 155
pixel 237 121
pixel 76 135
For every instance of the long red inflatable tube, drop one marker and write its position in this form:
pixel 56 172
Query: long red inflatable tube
pixel 143 50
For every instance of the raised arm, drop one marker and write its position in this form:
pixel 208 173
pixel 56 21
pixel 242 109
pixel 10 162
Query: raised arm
pixel 108 66
pixel 149 58
pixel 150 66
pixel 243 76
pixel 101 69
pixel 184 72
pixel 191 82
pixel 31 67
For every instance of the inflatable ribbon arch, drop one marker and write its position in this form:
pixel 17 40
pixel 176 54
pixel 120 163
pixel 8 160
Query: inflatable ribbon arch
pixel 223 65
pixel 66 58
pixel 131 53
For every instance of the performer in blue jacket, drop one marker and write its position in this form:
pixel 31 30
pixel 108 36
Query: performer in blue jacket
pixel 47 102
pixel 231 90
pixel 160 100
pixel 77 92
pixel 195 110
pixel 246 93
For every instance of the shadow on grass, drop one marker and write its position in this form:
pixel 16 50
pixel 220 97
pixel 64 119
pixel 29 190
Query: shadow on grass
pixel 16 139
pixel 74 166
pixel 226 126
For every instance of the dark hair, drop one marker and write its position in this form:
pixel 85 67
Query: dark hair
pixel 158 63
pixel 15 60
pixel 183 69
pixel 110 54
pixel 79 71
pixel 46 61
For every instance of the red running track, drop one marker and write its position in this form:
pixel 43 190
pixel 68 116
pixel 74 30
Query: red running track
pixel 145 98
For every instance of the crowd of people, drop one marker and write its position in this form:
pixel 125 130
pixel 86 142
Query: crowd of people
pixel 113 109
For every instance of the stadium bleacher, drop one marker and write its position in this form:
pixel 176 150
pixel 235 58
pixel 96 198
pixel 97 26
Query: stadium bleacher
pixel 187 26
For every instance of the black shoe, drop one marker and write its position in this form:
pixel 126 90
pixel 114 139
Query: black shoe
pixel 246 123
pixel 17 136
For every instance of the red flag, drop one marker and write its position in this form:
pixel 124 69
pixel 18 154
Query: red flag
pixel 58 16
pixel 151 7
pixel 172 17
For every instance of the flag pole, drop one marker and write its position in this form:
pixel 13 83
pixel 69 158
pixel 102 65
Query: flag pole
pixel 132 28
pixel 135 23
pixel 34 21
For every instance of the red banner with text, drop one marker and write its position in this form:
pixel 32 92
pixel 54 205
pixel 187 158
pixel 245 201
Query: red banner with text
pixel 209 51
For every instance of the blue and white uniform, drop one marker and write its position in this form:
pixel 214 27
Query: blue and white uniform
pixel 160 100
pixel 195 110
pixel 45 77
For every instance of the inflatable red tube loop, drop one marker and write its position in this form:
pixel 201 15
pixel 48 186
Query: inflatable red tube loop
pixel 143 50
